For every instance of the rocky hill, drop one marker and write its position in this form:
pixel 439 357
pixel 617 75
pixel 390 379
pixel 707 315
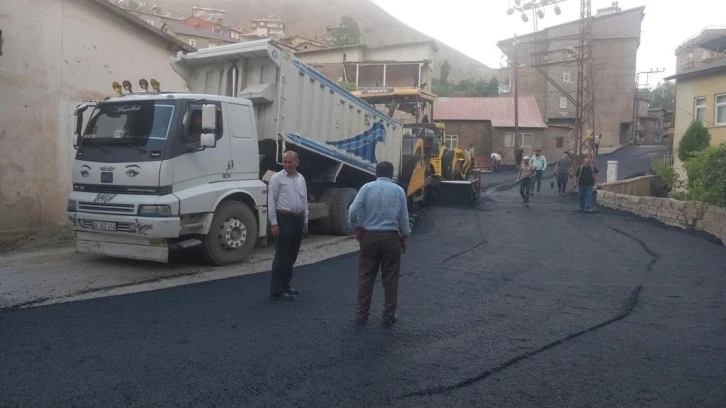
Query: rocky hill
pixel 308 18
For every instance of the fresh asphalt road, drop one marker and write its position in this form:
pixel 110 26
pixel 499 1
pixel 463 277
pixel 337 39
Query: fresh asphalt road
pixel 500 305
pixel 632 161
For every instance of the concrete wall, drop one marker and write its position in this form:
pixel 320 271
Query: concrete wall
pixel 407 52
pixel 684 214
pixel 686 92
pixel 332 56
pixel 638 186
pixel 201 42
pixel 478 133
pixel 58 53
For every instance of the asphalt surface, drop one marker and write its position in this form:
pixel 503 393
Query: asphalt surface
pixel 500 305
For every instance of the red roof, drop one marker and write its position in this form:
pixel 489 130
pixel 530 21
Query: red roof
pixel 498 110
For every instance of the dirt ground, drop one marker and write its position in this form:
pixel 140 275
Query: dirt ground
pixel 42 268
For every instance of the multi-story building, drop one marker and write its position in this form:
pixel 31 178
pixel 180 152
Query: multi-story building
pixel 701 87
pixel 615 42
pixel 270 27
pixel 394 65
pixel 197 38
pixel 217 27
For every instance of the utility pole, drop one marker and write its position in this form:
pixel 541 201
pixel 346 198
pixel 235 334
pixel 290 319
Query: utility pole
pixel 516 93
pixel 636 100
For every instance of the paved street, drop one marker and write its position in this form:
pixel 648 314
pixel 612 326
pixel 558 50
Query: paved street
pixel 500 305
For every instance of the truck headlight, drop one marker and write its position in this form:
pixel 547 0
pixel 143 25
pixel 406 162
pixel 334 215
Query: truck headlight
pixel 71 206
pixel 154 211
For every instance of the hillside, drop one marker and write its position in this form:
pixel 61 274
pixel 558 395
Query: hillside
pixel 309 18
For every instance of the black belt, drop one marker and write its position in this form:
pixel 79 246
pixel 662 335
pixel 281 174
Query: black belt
pixel 290 213
pixel 382 232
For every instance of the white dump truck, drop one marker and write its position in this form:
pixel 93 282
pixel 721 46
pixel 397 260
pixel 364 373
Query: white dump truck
pixel 155 171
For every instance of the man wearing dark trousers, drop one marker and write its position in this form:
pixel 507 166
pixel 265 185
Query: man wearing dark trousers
pixel 379 216
pixel 539 163
pixel 287 206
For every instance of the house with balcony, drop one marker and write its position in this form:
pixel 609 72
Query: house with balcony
pixel 701 87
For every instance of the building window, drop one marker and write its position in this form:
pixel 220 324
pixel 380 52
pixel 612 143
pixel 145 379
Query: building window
pixel 344 57
pixel 699 113
pixel 560 142
pixel 211 44
pixel 509 139
pixel 192 42
pixel 526 139
pixel 566 77
pixel 563 103
pixel 720 110
pixel 452 141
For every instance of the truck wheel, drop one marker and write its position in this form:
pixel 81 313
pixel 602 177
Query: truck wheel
pixel 327 198
pixel 339 211
pixel 232 235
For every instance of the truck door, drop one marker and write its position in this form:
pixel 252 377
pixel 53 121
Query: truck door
pixel 199 167
pixel 245 149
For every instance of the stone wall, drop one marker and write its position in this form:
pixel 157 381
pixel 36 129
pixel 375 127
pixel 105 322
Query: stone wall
pixel 683 214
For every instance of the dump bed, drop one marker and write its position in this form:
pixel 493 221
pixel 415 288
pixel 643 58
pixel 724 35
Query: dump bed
pixel 294 102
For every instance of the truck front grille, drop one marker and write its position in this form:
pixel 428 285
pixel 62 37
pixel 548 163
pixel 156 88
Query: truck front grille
pixel 107 208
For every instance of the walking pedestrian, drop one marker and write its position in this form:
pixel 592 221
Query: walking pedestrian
pixel 539 162
pixel 496 161
pixel 562 173
pixel 379 215
pixel 518 154
pixel 586 178
pixel 287 206
pixel 526 172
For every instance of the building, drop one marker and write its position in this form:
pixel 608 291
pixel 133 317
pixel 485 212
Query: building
pixel 300 44
pixel 235 35
pixel 488 124
pixel 655 126
pixel 270 27
pixel 395 65
pixel 83 47
pixel 155 19
pixel 701 87
pixel 195 37
pixel 615 42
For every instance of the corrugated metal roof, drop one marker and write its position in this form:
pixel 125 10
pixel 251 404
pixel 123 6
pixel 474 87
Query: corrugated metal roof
pixel 498 110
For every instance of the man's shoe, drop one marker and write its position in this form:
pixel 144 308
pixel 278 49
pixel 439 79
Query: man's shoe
pixel 282 296
pixel 391 320
pixel 291 291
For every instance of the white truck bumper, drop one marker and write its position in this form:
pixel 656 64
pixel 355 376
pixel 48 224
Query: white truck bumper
pixel 142 238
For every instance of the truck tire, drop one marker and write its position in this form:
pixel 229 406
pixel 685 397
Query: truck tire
pixel 339 211
pixel 447 165
pixel 326 197
pixel 232 235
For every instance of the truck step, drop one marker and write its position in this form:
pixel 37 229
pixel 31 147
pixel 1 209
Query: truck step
pixel 188 243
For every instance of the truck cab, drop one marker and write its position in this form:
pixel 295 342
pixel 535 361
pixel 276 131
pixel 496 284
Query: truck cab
pixel 157 171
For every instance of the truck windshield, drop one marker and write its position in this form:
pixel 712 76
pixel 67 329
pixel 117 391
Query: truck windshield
pixel 135 123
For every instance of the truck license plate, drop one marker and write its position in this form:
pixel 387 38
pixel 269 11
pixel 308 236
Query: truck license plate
pixel 104 226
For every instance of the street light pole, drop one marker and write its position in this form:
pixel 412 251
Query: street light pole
pixel 516 92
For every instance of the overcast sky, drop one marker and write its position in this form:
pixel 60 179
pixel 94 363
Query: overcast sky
pixel 475 26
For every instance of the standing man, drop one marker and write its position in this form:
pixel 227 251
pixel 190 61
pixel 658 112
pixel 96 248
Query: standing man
pixel 518 153
pixel 539 162
pixel 562 172
pixel 586 178
pixel 496 161
pixel 526 171
pixel 379 215
pixel 287 206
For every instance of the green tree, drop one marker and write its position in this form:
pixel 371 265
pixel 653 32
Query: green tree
pixel 664 95
pixel 347 33
pixel 706 171
pixel 445 71
pixel 694 140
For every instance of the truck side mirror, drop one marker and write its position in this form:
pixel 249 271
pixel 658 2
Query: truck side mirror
pixel 209 118
pixel 208 140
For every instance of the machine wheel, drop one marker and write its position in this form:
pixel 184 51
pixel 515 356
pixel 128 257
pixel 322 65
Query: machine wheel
pixel 459 170
pixel 339 211
pixel 326 197
pixel 447 165
pixel 232 235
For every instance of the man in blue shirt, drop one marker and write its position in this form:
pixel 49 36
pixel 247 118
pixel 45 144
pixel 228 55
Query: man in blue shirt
pixel 379 215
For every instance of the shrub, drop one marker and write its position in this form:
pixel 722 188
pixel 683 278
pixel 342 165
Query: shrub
pixel 707 175
pixel 694 140
pixel 348 86
pixel 667 175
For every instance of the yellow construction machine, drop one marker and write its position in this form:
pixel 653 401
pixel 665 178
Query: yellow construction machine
pixel 429 168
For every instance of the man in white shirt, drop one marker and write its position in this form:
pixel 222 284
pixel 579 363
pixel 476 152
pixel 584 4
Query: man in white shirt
pixel 287 208
pixel 496 161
